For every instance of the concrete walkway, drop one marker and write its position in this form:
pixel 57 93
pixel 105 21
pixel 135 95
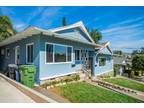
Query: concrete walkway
pixel 10 94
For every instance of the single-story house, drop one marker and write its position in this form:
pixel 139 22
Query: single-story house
pixel 56 52
pixel 121 63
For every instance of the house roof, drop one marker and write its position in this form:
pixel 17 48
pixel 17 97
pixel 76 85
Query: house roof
pixel 120 60
pixel 35 30
pixel 51 32
pixel 104 45
pixel 78 24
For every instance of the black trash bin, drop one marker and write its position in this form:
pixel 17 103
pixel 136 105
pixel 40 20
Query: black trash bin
pixel 11 70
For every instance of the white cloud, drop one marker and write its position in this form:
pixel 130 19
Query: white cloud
pixel 48 16
pixel 92 21
pixel 20 26
pixel 126 35
pixel 35 13
pixel 129 21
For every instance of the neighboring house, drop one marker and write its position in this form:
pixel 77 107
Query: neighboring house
pixel 119 63
pixel 122 62
pixel 56 52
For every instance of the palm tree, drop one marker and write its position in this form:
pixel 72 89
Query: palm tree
pixel 95 34
pixel 6 28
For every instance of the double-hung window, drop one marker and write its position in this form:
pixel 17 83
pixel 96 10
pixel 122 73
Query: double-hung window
pixel 69 54
pixel 29 53
pixel 7 52
pixel 56 53
pixel 60 53
pixel 49 53
pixel 77 54
pixel 102 61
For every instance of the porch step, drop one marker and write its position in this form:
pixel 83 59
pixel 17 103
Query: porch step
pixel 87 73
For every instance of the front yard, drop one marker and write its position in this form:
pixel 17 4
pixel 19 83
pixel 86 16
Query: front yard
pixel 85 93
pixel 126 83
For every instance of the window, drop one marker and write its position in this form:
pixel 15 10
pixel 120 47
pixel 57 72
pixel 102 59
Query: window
pixel 58 53
pixel 69 52
pixel 29 53
pixel 7 52
pixel 2 52
pixel 77 54
pixel 102 61
pixel 49 53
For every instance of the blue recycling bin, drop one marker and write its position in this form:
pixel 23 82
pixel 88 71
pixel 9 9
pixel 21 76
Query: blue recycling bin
pixel 17 75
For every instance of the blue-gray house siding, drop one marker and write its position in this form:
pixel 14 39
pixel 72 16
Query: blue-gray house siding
pixel 76 33
pixel 59 69
pixel 52 70
pixel 108 67
pixel 22 44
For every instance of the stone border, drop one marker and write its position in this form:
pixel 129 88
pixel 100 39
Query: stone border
pixel 36 96
pixel 127 91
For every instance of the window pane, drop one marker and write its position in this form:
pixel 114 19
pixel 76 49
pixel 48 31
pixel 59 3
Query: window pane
pixel 49 53
pixel 69 53
pixel 102 61
pixel 60 53
pixel 30 53
pixel 7 52
pixel 77 54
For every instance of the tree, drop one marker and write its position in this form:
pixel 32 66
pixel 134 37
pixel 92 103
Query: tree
pixel 95 34
pixel 64 21
pixel 142 50
pixel 138 63
pixel 6 28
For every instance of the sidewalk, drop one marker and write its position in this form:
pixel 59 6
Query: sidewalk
pixel 10 94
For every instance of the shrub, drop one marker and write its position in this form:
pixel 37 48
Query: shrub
pixel 44 85
pixel 132 74
pixel 54 82
pixel 77 77
pixel 66 79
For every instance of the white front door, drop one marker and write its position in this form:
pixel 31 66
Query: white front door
pixel 17 55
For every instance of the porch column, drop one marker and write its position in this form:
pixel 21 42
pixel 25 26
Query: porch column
pixel 93 65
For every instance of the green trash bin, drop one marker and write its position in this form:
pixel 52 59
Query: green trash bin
pixel 28 75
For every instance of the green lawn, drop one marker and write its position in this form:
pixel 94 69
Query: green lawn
pixel 86 93
pixel 126 83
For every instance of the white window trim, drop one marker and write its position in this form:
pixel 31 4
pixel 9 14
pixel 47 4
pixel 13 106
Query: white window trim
pixel 26 52
pixel 6 52
pixel 54 53
pixel 99 61
pixel 16 52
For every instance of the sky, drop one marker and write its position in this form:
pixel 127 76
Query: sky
pixel 123 27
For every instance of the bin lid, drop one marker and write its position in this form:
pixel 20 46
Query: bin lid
pixel 13 65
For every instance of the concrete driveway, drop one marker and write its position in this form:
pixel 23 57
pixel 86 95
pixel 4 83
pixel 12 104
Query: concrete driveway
pixel 10 94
